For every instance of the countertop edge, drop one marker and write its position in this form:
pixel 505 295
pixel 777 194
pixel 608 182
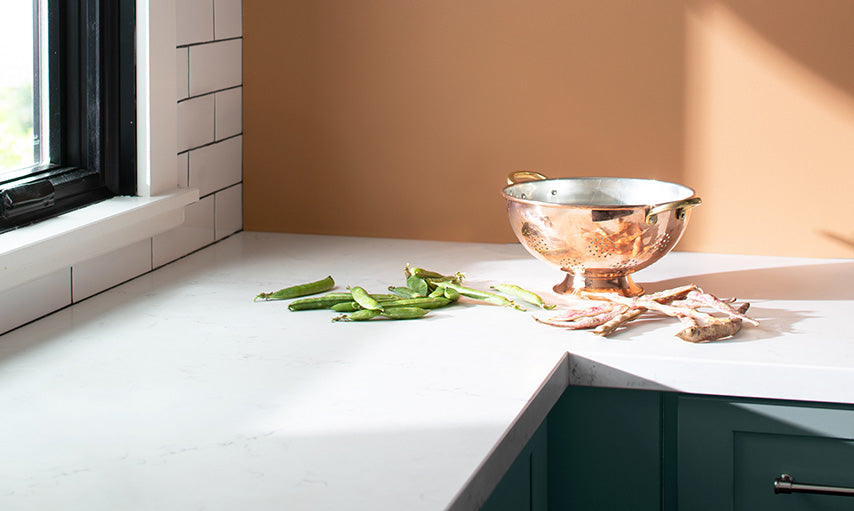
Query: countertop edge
pixel 491 470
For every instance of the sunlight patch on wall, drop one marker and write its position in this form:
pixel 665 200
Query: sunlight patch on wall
pixel 768 139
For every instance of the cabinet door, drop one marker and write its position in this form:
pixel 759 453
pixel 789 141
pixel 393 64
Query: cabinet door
pixel 730 451
pixel 605 450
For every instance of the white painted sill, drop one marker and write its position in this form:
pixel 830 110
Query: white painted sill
pixel 39 249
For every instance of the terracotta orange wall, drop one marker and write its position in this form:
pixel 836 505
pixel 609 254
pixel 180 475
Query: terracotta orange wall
pixel 402 119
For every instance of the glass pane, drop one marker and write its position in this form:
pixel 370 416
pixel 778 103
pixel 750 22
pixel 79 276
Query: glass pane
pixel 19 147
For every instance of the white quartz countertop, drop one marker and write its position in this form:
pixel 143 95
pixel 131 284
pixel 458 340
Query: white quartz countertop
pixel 176 391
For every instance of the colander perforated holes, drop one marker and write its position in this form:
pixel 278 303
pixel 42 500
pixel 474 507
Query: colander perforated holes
pixel 600 247
pixel 534 238
pixel 625 265
pixel 662 242
pixel 572 265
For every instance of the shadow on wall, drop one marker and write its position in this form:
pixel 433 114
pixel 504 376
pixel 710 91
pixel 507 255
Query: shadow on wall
pixel 843 240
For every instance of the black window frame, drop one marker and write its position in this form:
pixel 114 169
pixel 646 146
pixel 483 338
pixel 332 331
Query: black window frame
pixel 92 119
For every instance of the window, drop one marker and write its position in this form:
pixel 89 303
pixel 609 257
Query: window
pixel 67 107
pixel 19 88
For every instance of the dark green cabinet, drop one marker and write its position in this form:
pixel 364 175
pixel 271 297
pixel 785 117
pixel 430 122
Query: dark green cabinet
pixel 730 451
pixel 607 449
pixel 604 450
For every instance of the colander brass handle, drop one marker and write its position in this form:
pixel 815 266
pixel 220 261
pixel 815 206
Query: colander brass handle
pixel 521 176
pixel 680 206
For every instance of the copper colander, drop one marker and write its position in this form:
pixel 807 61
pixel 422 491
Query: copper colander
pixel 599 230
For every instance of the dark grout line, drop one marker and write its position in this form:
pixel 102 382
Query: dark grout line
pixel 190 45
pixel 213 18
pixel 206 93
pixel 210 143
pixel 220 190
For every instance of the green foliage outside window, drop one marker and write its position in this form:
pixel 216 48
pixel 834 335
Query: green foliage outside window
pixel 16 126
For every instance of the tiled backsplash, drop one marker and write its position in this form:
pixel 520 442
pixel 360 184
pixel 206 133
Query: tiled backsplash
pixel 209 45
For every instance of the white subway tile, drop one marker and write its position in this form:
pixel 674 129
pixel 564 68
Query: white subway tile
pixel 228 211
pixel 228 19
pixel 103 272
pixel 182 72
pixel 229 113
pixel 196 232
pixel 194 20
pixel 216 66
pixel 195 122
pixel 183 170
pixel 217 166
pixel 24 303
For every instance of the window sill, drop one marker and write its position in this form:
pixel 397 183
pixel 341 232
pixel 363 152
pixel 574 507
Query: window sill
pixel 37 250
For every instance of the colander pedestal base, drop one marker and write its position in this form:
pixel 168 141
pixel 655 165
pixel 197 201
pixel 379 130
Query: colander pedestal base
pixel 583 286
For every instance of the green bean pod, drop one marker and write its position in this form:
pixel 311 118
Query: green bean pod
pixel 404 312
pixel 432 275
pixel 451 294
pixel 418 285
pixel 319 302
pixel 365 300
pixel 359 315
pixel 426 302
pixel 346 307
pixel 423 302
pixel 484 296
pixel 328 300
pixel 390 313
pixel 405 292
pixel 437 292
pixel 522 294
pixel 310 288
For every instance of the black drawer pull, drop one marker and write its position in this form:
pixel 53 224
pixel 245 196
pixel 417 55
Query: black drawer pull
pixel 786 484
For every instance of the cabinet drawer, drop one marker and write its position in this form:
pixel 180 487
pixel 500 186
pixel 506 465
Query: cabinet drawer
pixel 730 451
pixel 760 457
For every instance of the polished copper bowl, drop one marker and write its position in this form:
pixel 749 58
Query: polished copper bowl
pixel 599 230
